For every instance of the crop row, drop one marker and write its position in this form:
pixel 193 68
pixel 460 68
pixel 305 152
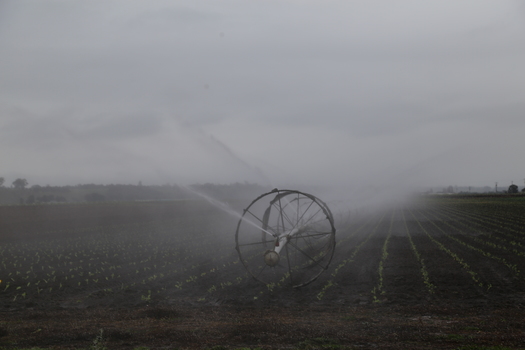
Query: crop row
pixel 111 258
pixel 416 248
pixel 479 245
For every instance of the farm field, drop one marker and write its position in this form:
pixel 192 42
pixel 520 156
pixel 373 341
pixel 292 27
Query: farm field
pixel 444 272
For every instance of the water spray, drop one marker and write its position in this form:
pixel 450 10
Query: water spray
pixel 224 207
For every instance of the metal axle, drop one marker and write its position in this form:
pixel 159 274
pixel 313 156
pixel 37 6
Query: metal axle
pixel 271 257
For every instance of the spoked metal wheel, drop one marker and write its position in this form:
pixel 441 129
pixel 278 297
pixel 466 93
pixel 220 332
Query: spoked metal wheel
pixel 286 237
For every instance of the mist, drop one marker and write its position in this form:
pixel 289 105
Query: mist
pixel 160 123
pixel 344 96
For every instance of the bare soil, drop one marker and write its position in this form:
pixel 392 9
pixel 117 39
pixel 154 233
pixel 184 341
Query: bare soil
pixel 424 326
pixel 460 314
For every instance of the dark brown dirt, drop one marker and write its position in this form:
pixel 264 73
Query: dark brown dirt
pixel 306 327
pixel 243 313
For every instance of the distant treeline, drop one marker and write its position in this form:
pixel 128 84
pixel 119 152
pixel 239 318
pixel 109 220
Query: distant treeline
pixel 466 190
pixel 37 194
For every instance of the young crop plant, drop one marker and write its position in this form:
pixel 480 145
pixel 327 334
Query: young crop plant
pixel 424 271
pixel 378 289
pixel 485 253
pixel 146 297
pixel 100 258
pixel 453 255
pixel 498 230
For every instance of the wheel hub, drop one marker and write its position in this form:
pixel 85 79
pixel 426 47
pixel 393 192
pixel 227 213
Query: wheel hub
pixel 271 258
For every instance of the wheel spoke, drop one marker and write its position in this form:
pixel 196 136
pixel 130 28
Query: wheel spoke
pixel 305 254
pixel 254 243
pixel 252 214
pixel 308 256
pixel 289 262
pixel 280 217
pixel 264 267
pixel 311 217
pixel 303 214
pixel 317 234
pixel 297 211
pixel 281 214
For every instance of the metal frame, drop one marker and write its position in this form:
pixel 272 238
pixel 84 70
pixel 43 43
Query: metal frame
pixel 295 222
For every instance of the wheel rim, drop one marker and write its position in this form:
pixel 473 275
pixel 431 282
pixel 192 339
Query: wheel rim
pixel 296 225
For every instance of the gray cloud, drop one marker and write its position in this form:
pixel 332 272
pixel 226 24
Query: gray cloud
pixel 281 92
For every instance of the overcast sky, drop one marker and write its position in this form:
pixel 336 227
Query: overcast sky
pixel 283 93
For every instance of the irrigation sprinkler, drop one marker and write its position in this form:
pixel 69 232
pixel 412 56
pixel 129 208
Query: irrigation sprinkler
pixel 286 236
